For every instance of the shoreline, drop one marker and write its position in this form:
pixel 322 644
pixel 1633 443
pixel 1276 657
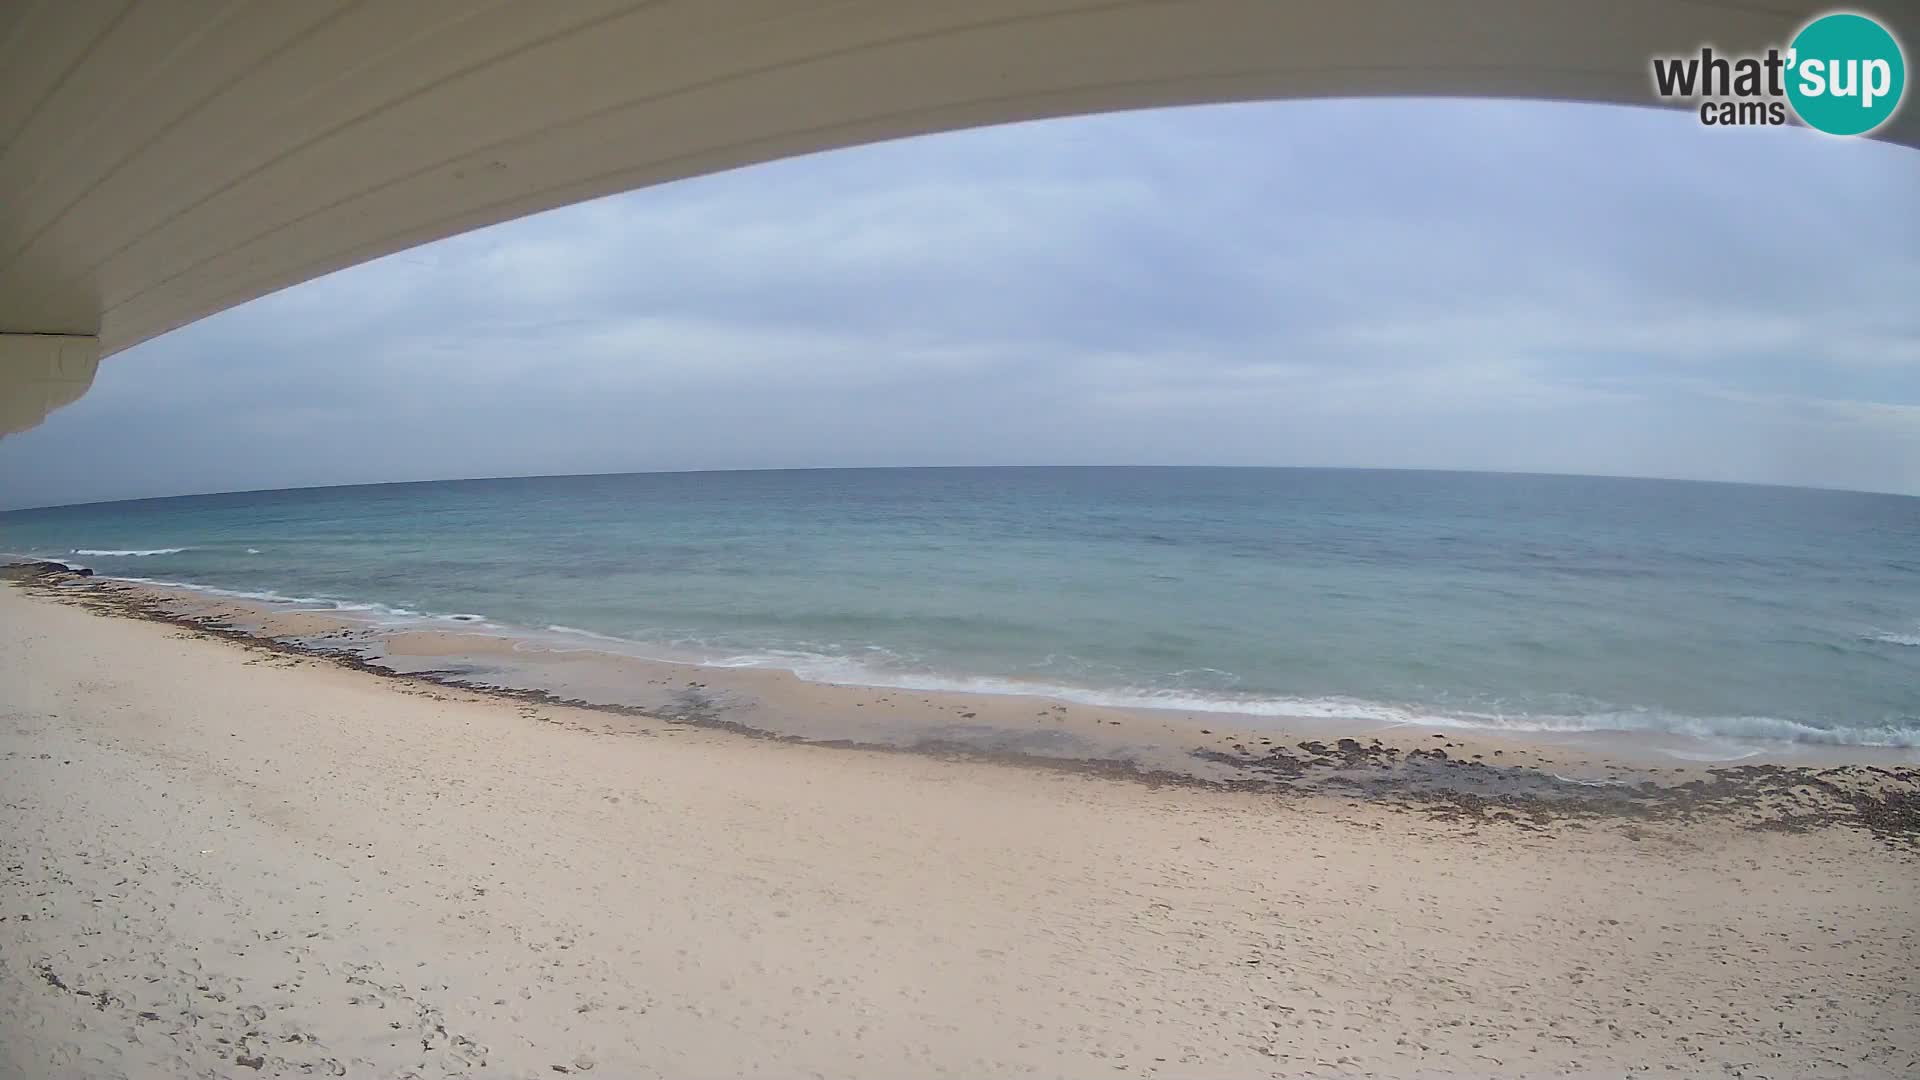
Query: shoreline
pixel 221 856
pixel 526 657
pixel 1474 775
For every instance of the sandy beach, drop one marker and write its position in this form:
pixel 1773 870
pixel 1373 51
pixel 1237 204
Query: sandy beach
pixel 226 859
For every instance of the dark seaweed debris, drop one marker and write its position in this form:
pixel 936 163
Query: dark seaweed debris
pixel 1769 798
pixel 1773 798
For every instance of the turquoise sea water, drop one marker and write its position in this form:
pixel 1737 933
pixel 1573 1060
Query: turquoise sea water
pixel 1513 601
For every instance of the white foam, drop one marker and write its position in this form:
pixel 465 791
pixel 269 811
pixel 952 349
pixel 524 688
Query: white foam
pixel 238 594
pixel 128 553
pixel 1716 751
pixel 1912 641
pixel 1705 728
pixel 577 632
pixel 253 551
pixel 364 611
pixel 268 596
pixel 843 672
pixel 1730 737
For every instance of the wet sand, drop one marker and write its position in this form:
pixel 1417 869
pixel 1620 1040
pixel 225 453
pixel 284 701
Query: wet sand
pixel 1450 772
pixel 222 854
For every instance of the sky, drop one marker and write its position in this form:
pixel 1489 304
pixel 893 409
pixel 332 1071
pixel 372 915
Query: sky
pixel 1438 284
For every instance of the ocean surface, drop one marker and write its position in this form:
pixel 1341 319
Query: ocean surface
pixel 1521 602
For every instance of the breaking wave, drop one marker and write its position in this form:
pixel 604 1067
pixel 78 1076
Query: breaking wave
pixel 874 666
pixel 846 671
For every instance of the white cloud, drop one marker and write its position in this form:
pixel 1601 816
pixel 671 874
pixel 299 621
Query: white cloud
pixel 1458 284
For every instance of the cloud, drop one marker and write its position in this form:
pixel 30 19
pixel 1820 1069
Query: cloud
pixel 1399 283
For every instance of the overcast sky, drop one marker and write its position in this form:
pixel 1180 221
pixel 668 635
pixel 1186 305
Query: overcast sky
pixel 1479 285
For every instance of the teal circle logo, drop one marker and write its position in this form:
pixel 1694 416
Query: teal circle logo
pixel 1845 74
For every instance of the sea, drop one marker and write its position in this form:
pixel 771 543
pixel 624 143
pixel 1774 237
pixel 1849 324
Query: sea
pixel 1527 603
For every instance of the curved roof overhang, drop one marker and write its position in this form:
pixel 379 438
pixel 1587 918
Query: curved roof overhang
pixel 160 162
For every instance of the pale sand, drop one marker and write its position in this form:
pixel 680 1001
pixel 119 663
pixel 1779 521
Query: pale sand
pixel 214 857
pixel 1215 746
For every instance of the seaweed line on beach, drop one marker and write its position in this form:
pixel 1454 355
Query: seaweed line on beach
pixel 1884 802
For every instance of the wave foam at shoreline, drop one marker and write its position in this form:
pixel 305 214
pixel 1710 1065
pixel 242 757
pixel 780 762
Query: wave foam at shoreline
pixel 847 671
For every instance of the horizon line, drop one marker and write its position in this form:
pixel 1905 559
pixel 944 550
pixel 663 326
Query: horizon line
pixel 908 468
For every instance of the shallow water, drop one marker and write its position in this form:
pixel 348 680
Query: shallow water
pixel 1501 601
